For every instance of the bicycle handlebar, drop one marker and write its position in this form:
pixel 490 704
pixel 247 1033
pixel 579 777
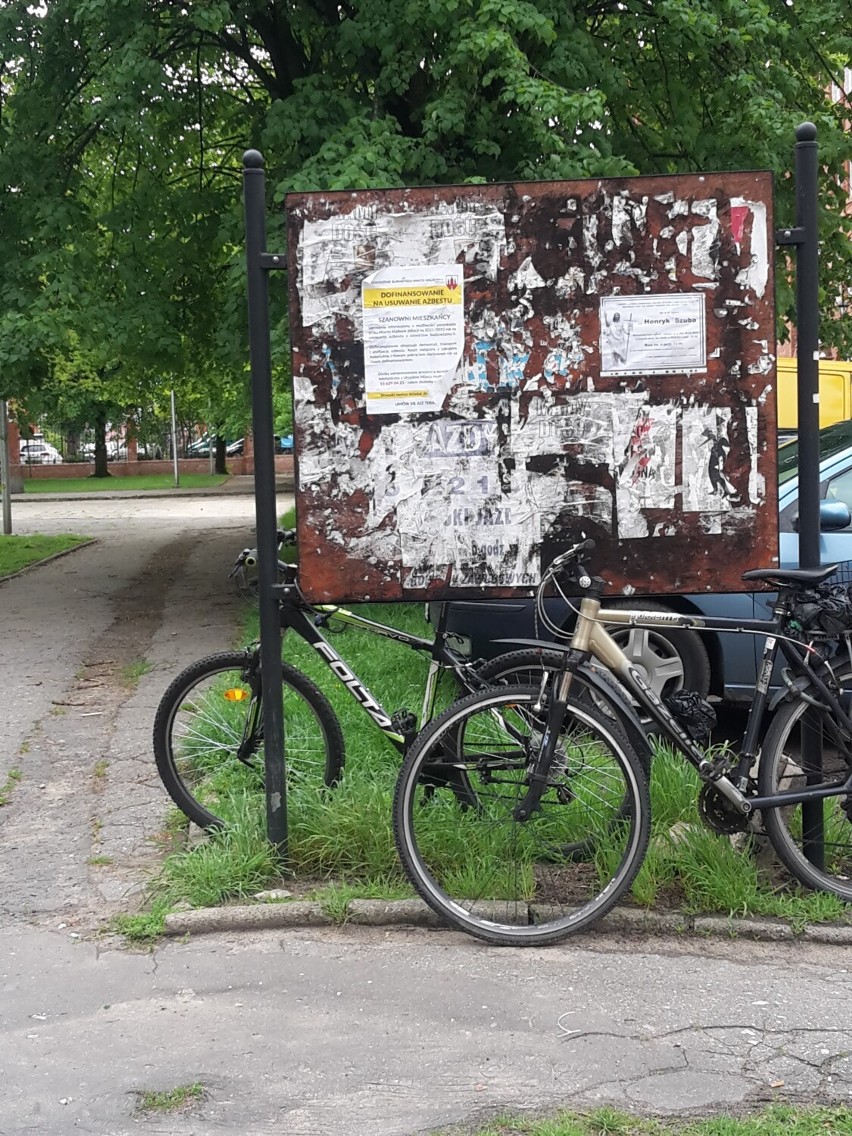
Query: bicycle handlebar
pixel 248 556
pixel 571 556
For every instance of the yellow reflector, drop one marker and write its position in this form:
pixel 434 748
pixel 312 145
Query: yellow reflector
pixel 236 694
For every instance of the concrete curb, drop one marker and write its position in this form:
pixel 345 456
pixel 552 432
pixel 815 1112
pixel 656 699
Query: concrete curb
pixel 413 913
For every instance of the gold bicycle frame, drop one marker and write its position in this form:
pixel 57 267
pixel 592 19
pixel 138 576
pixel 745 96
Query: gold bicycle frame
pixel 590 635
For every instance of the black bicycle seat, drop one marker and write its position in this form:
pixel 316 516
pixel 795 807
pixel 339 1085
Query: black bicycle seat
pixel 792 575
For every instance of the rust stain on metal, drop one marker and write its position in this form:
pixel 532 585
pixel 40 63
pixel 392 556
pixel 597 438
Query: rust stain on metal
pixel 485 374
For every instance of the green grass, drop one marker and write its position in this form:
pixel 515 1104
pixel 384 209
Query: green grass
pixel 608 1122
pixel 133 671
pixel 18 552
pixel 8 784
pixel 170 1100
pixel 143 928
pixel 107 484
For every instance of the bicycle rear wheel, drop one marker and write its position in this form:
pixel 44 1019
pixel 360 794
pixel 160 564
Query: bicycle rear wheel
pixel 782 768
pixel 523 667
pixel 208 739
pixel 491 875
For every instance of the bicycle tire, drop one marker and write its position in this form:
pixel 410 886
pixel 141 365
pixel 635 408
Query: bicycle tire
pixel 526 666
pixel 197 730
pixel 459 829
pixel 779 769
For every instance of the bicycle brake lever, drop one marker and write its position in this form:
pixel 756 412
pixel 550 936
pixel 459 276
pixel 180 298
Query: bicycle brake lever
pixel 239 562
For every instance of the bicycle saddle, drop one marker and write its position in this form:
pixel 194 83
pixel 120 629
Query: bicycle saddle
pixel 792 575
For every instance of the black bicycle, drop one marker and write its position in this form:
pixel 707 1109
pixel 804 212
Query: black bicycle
pixel 208 729
pixel 555 818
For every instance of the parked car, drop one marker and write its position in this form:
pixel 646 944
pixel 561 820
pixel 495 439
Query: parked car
pixel 283 445
pixel 35 451
pixel 201 448
pixel 722 664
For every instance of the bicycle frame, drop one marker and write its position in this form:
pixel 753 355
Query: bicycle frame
pixel 590 637
pixel 305 621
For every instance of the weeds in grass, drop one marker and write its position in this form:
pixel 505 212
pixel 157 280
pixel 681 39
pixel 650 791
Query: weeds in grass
pixel 99 861
pixel 11 780
pixel 235 862
pixel 175 821
pixel 145 927
pixel 133 671
pixel 99 771
pixel 836 1121
pixel 335 897
pixel 170 1100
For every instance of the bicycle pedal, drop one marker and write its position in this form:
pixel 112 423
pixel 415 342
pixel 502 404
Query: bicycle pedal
pixel 404 722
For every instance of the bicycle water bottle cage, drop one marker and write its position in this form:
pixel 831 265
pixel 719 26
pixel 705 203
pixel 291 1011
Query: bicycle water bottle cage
pixel 692 713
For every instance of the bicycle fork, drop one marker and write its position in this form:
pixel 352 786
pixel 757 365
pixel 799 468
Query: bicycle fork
pixel 253 728
pixel 538 776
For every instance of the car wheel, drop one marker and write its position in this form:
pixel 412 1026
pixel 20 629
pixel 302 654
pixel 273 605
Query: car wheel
pixel 668 659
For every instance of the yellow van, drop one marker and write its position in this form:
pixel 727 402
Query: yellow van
pixel 835 393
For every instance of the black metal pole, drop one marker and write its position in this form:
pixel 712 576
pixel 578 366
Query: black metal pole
pixel 807 353
pixel 807 350
pixel 264 497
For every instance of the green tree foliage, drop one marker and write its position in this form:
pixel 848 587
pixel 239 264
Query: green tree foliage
pixel 123 123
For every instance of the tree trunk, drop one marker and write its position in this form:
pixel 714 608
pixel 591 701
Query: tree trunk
pixel 101 469
pixel 220 455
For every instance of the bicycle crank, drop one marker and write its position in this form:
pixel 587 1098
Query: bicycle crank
pixel 719 813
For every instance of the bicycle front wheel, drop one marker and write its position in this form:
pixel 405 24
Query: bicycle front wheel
pixel 781 769
pixel 208 739
pixel 528 666
pixel 507 881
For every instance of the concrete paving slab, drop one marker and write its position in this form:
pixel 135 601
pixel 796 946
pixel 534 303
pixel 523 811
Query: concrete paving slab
pixel 352 1032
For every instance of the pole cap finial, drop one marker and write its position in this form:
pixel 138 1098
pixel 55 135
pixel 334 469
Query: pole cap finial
pixel 806 132
pixel 253 160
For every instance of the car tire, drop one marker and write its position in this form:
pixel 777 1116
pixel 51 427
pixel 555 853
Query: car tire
pixel 670 659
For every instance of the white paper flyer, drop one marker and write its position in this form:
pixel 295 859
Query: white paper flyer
pixel 413 336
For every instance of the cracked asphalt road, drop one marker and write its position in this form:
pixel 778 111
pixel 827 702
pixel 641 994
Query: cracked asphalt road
pixel 321 1031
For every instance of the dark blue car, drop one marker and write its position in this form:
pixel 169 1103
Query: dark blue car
pixel 723 664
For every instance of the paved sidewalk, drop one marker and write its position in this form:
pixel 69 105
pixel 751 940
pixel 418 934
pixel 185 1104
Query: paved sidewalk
pixel 365 1033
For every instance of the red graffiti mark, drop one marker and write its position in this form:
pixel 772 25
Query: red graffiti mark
pixel 738 220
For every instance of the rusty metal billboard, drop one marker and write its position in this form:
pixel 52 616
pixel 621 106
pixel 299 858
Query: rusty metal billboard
pixel 485 374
